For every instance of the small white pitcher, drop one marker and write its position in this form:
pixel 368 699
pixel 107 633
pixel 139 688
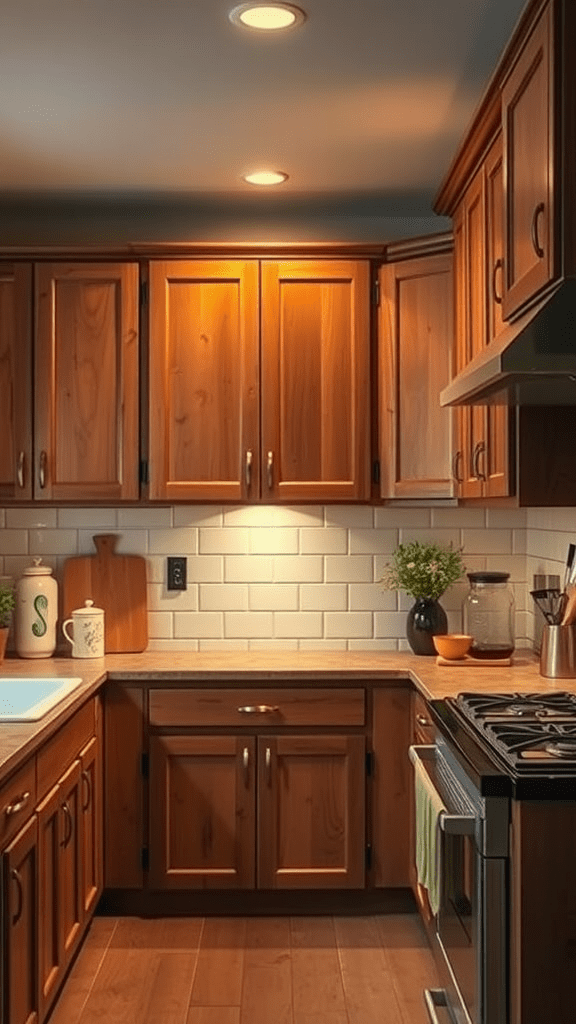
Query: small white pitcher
pixel 88 626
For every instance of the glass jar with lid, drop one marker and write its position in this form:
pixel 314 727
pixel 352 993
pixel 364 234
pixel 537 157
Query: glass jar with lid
pixel 489 615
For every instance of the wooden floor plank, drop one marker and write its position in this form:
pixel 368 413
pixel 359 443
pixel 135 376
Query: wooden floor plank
pixel 170 994
pixel 316 977
pixel 411 966
pixel 368 990
pixel 79 983
pixel 214 1015
pixel 165 933
pixel 267 989
pixel 321 1018
pixel 220 967
pixel 124 987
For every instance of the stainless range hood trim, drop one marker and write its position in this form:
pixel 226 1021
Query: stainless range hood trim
pixel 532 362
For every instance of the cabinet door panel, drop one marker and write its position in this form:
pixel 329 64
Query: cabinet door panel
pixel 71 883
pixel 311 800
pixel 19 940
pixel 86 409
pixel 15 381
pixel 202 812
pixel 416 335
pixel 527 101
pixel 315 372
pixel 204 379
pixel 51 949
pixel 91 826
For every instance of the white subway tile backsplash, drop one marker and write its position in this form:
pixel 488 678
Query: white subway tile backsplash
pixel 30 518
pixel 443 537
pixel 325 541
pixel 162 600
pixel 14 542
pixel 401 518
pixel 372 542
pixel 373 645
pixel 213 597
pixel 205 568
pixel 487 542
pixel 513 564
pixel 349 569
pixel 248 569
pixel 519 541
pixel 99 520
pixel 274 515
pixel 160 625
pixel 298 569
pixel 458 518
pixel 273 597
pixel 349 516
pixel 349 624
pixel 506 518
pixel 52 542
pixel 248 624
pixel 173 645
pixel 298 624
pixel 323 597
pixel 371 597
pixel 389 624
pixel 144 518
pixel 173 541
pixel 197 515
pixel 198 625
pixel 221 541
pixel 274 540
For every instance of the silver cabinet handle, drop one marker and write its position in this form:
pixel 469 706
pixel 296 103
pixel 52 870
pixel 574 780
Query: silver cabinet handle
pixel 270 470
pixel 456 461
pixel 42 469
pixel 433 998
pixel 248 469
pixel 18 804
pixel 258 709
pixel 20 469
pixel 479 449
pixel 246 765
pixel 535 239
pixel 452 824
pixel 422 720
pixel 268 766
pixel 70 828
pixel 88 784
pixel 497 296
pixel 15 876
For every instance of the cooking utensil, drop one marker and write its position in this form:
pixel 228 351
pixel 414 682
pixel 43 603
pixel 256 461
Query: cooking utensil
pixel 116 583
pixel 569 565
pixel 548 601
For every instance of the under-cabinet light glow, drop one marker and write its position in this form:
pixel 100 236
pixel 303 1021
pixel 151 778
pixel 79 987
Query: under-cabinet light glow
pixel 267 17
pixel 265 177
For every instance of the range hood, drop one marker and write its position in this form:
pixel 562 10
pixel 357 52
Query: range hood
pixel 531 362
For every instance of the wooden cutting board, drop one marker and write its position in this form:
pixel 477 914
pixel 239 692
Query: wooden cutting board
pixel 116 583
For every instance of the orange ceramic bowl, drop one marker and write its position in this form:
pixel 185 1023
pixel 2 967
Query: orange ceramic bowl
pixel 452 645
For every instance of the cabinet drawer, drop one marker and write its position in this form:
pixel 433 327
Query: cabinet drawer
pixel 17 800
pixel 56 755
pixel 423 728
pixel 257 706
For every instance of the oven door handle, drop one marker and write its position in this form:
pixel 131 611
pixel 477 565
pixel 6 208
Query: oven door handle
pixel 451 824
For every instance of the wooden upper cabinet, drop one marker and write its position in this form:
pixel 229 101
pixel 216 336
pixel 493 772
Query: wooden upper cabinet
pixel 15 381
pixel 494 207
pixel 416 340
pixel 529 172
pixel 204 383
pixel 315 380
pixel 86 395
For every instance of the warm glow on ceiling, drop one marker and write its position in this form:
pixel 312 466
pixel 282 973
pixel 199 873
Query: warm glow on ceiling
pixel 267 17
pixel 265 177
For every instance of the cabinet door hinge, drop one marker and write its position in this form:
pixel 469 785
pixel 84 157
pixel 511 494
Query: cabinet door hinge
pixel 376 471
pixel 143 293
pixel 144 476
pixel 145 765
pixel 376 291
pixel 368 856
pixel 369 762
pixel 145 858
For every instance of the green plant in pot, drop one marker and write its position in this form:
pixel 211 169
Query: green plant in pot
pixel 425 571
pixel 7 605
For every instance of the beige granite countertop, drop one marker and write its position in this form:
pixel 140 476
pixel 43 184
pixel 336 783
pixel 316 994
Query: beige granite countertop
pixel 17 740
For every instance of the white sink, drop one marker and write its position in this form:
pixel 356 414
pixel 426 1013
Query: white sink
pixel 26 700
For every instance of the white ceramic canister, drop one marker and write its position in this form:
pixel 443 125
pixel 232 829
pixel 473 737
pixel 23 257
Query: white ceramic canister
pixel 36 612
pixel 88 627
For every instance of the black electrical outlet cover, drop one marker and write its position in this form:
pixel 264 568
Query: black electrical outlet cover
pixel 176 573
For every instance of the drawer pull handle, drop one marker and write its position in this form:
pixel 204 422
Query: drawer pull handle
pixel 258 709
pixel 456 462
pixel 270 470
pixel 497 297
pixel 248 469
pixel 422 720
pixel 479 450
pixel 20 469
pixel 268 766
pixel 88 784
pixel 16 878
pixel 18 804
pixel 42 469
pixel 246 765
pixel 535 239
pixel 70 828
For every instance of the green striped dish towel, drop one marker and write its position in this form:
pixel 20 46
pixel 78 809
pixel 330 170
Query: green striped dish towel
pixel 428 807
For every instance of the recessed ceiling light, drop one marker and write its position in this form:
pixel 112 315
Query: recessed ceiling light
pixel 267 17
pixel 265 177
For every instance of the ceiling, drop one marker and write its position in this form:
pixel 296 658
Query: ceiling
pixel 154 97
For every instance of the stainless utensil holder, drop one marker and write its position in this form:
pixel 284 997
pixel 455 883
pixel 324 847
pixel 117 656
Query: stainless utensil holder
pixel 558 652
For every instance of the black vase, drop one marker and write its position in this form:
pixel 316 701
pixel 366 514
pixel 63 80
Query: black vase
pixel 425 618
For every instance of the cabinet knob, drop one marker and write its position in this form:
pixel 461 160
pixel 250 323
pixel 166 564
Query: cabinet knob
pixel 479 449
pixel 14 875
pixel 42 469
pixel 497 296
pixel 20 469
pixel 18 804
pixel 423 721
pixel 248 469
pixel 270 470
pixel 535 239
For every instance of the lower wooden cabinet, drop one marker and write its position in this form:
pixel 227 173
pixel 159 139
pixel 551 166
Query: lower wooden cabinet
pixel 20 927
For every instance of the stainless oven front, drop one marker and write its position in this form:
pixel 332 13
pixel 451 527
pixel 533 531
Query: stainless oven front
pixel 471 922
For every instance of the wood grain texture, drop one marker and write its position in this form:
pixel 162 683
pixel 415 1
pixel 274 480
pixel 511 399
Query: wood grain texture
pixel 316 979
pixel 123 785
pixel 50 945
pixel 64 746
pixel 368 988
pixel 204 379
pixel 311 812
pixel 116 583
pixel 91 824
pixel 220 970
pixel 391 786
pixel 301 707
pixel 86 404
pixel 13 793
pixel 20 902
pixel 79 983
pixel 315 365
pixel 416 337
pixel 267 988
pixel 15 380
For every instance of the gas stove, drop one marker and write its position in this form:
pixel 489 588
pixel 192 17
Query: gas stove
pixel 526 737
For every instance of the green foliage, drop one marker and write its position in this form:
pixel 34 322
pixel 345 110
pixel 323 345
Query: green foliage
pixel 7 603
pixel 423 570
